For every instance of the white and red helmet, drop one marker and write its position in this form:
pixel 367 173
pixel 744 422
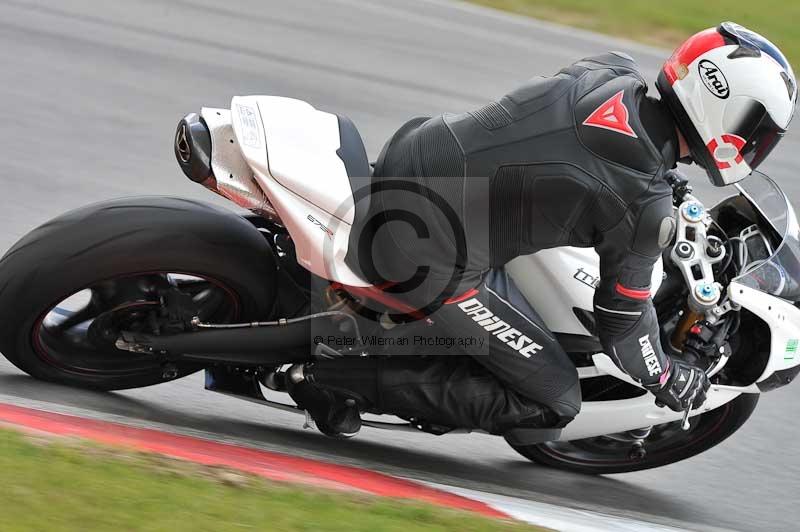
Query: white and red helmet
pixel 733 94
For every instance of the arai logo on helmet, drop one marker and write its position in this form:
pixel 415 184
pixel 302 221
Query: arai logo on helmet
pixel 713 79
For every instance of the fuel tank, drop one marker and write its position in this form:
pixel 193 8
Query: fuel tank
pixel 558 281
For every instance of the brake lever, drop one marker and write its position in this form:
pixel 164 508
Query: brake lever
pixel 685 425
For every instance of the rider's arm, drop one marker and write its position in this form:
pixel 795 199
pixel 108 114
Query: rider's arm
pixel 624 311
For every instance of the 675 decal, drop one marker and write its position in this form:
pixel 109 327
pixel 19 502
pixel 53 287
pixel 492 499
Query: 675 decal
pixel 320 225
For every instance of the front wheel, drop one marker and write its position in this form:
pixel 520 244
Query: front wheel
pixel 666 444
pixel 149 264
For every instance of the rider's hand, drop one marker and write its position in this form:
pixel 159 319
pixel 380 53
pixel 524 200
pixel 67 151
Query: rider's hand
pixel 681 386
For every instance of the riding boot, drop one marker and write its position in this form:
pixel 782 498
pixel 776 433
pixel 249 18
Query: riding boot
pixel 333 414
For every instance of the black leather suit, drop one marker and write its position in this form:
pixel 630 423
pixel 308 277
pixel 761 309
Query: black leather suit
pixel 576 159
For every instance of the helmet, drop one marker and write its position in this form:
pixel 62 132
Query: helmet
pixel 733 94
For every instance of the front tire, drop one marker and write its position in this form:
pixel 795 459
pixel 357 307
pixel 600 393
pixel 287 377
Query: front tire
pixel 136 246
pixel 667 444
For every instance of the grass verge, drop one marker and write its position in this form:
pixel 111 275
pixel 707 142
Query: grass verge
pixel 666 23
pixel 60 485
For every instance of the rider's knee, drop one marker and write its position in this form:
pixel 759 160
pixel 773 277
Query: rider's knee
pixel 562 398
pixel 568 404
pixel 565 413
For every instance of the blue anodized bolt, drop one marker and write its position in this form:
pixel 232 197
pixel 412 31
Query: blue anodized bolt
pixel 706 291
pixel 693 212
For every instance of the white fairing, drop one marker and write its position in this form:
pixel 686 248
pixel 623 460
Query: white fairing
pixel 607 417
pixel 291 148
pixel 233 176
pixel 783 320
pixel 567 276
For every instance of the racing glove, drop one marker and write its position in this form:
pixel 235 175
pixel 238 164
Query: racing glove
pixel 681 386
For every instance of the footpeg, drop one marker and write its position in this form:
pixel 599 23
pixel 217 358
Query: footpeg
pixel 275 381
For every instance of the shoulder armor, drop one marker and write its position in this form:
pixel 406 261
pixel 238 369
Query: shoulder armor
pixel 623 56
pixel 608 124
pixel 536 94
pixel 619 62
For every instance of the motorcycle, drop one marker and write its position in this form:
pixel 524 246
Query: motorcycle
pixel 139 291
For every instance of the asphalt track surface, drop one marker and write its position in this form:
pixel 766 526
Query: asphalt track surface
pixel 90 93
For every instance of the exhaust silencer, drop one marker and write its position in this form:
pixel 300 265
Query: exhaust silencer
pixel 210 156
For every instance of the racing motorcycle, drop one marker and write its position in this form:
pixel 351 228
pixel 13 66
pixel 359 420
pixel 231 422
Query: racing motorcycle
pixel 139 291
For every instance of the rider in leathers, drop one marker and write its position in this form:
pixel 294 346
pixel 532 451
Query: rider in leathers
pixel 576 159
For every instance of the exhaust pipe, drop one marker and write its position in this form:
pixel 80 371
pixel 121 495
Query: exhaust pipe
pixel 193 150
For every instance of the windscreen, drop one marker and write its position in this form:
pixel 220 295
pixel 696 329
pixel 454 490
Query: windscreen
pixel 778 272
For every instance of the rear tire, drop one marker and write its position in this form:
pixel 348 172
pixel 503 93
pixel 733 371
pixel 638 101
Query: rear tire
pixel 123 239
pixel 590 457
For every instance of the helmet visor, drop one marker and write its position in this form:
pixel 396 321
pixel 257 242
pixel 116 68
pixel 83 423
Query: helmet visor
pixel 750 121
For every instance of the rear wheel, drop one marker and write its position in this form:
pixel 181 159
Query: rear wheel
pixel 145 264
pixel 665 444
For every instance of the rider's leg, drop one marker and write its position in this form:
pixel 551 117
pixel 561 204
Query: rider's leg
pixel 523 353
pixel 519 376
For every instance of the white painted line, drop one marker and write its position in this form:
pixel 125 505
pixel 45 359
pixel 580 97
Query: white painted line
pixel 562 518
